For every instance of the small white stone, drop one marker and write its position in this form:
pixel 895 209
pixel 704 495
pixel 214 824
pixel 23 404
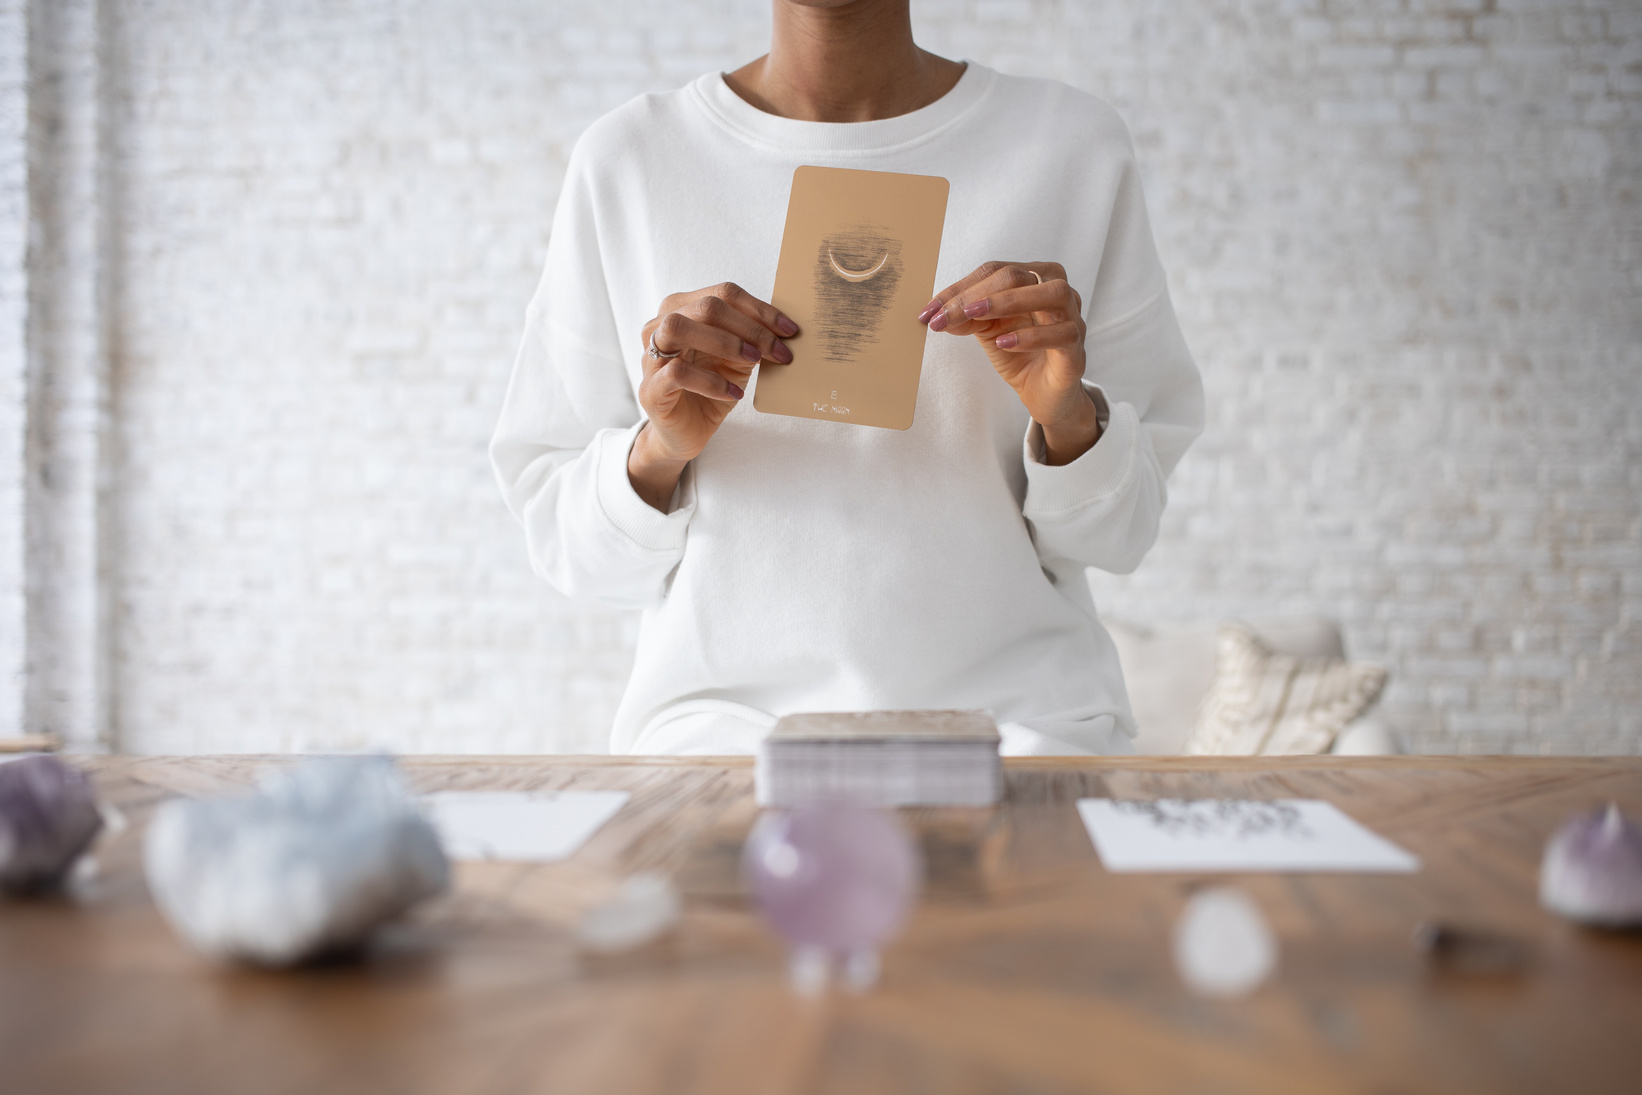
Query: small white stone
pixel 1222 944
pixel 809 969
pixel 861 969
pixel 310 862
pixel 644 908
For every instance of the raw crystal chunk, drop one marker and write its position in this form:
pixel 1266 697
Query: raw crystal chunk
pixel 309 863
pixel 48 816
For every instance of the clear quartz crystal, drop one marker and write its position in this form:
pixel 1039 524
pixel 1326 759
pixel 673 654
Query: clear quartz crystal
pixel 835 882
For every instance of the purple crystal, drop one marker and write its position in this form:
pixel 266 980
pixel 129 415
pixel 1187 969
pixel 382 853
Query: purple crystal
pixel 48 815
pixel 1592 869
pixel 834 878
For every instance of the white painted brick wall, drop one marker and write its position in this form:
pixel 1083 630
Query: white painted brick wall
pixel 1403 240
pixel 13 355
pixel 1405 248
pixel 67 456
pixel 335 214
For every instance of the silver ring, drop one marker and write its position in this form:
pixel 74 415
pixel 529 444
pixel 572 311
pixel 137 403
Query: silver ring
pixel 657 354
pixel 1037 275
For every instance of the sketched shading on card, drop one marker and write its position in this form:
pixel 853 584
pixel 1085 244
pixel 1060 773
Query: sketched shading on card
pixel 857 264
pixel 856 273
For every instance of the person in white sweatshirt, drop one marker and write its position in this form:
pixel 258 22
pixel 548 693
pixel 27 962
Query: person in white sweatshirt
pixel 788 564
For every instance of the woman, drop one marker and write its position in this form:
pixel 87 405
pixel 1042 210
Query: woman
pixel 788 564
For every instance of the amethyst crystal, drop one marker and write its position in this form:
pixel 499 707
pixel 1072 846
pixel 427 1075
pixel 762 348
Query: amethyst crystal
pixel 835 882
pixel 48 816
pixel 1592 871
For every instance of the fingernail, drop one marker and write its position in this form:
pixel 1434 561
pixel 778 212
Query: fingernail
pixel 751 352
pixel 1007 342
pixel 929 310
pixel 939 322
pixel 781 353
pixel 735 392
pixel 978 308
pixel 786 327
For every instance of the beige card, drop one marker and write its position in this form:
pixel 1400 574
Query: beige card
pixel 857 266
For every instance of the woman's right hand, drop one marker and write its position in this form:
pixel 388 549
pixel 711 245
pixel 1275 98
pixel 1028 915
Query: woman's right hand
pixel 718 335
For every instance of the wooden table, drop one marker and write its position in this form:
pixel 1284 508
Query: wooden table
pixel 1027 967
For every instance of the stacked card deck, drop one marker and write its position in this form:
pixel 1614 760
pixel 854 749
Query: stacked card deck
pixel 881 758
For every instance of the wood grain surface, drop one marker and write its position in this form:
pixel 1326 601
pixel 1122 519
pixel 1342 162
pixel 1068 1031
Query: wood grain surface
pixel 1027 967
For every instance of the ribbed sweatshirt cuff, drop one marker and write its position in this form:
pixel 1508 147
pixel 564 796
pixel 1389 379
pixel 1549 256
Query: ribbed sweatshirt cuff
pixel 631 516
pixel 1098 474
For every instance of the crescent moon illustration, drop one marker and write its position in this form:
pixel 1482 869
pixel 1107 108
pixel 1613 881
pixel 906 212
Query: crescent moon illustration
pixel 855 275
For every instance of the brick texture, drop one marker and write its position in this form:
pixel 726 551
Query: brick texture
pixel 13 355
pixel 1404 241
pixel 1402 236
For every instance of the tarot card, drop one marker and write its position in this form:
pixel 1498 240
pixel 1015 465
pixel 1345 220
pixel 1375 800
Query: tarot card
pixel 857 266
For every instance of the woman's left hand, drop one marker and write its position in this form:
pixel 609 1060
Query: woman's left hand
pixel 1029 320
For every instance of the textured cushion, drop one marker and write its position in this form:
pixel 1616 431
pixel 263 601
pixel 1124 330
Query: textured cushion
pixel 1168 669
pixel 1265 703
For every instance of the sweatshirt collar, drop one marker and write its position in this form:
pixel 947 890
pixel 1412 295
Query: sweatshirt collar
pixel 746 121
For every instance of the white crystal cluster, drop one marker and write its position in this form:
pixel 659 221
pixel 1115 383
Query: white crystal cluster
pixel 310 862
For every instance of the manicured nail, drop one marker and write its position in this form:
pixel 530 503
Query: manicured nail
pixel 929 310
pixel 1007 342
pixel 978 308
pixel 735 392
pixel 781 353
pixel 939 322
pixel 751 352
pixel 785 327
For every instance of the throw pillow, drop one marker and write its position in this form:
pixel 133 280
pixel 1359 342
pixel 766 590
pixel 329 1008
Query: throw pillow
pixel 1265 703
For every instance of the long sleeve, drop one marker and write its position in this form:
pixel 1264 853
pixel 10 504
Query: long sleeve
pixel 1103 509
pixel 560 448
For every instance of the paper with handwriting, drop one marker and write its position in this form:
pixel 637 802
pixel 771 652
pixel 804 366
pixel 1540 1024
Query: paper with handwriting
pixel 1222 834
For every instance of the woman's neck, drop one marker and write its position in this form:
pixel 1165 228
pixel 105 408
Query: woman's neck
pixel 848 62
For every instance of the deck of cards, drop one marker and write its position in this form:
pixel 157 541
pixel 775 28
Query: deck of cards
pixel 881 758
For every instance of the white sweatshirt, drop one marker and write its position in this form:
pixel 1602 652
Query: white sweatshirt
pixel 825 566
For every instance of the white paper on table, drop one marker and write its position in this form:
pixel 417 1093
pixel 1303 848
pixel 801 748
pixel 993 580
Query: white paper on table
pixel 535 826
pixel 1291 834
